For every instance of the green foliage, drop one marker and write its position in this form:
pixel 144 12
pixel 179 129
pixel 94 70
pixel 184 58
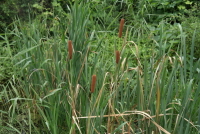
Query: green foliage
pixel 170 10
pixel 155 86
pixel 6 51
pixel 170 5
pixel 6 66
pixel 11 8
pixel 190 25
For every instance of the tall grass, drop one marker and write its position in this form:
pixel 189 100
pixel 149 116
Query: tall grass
pixel 63 84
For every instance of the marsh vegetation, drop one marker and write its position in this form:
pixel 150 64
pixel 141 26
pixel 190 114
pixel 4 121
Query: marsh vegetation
pixel 87 67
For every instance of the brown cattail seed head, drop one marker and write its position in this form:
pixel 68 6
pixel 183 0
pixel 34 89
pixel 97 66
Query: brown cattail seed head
pixel 93 82
pixel 121 27
pixel 117 54
pixel 70 49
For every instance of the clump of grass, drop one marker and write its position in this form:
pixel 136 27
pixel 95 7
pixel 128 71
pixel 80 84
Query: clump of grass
pixel 147 97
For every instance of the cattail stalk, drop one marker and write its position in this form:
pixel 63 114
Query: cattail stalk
pixel 121 27
pixel 93 82
pixel 117 55
pixel 70 49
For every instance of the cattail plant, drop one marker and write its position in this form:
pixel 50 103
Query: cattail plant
pixel 93 82
pixel 121 27
pixel 117 55
pixel 70 49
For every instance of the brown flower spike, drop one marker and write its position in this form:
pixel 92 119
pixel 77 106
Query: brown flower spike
pixel 121 27
pixel 70 49
pixel 93 82
pixel 117 54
